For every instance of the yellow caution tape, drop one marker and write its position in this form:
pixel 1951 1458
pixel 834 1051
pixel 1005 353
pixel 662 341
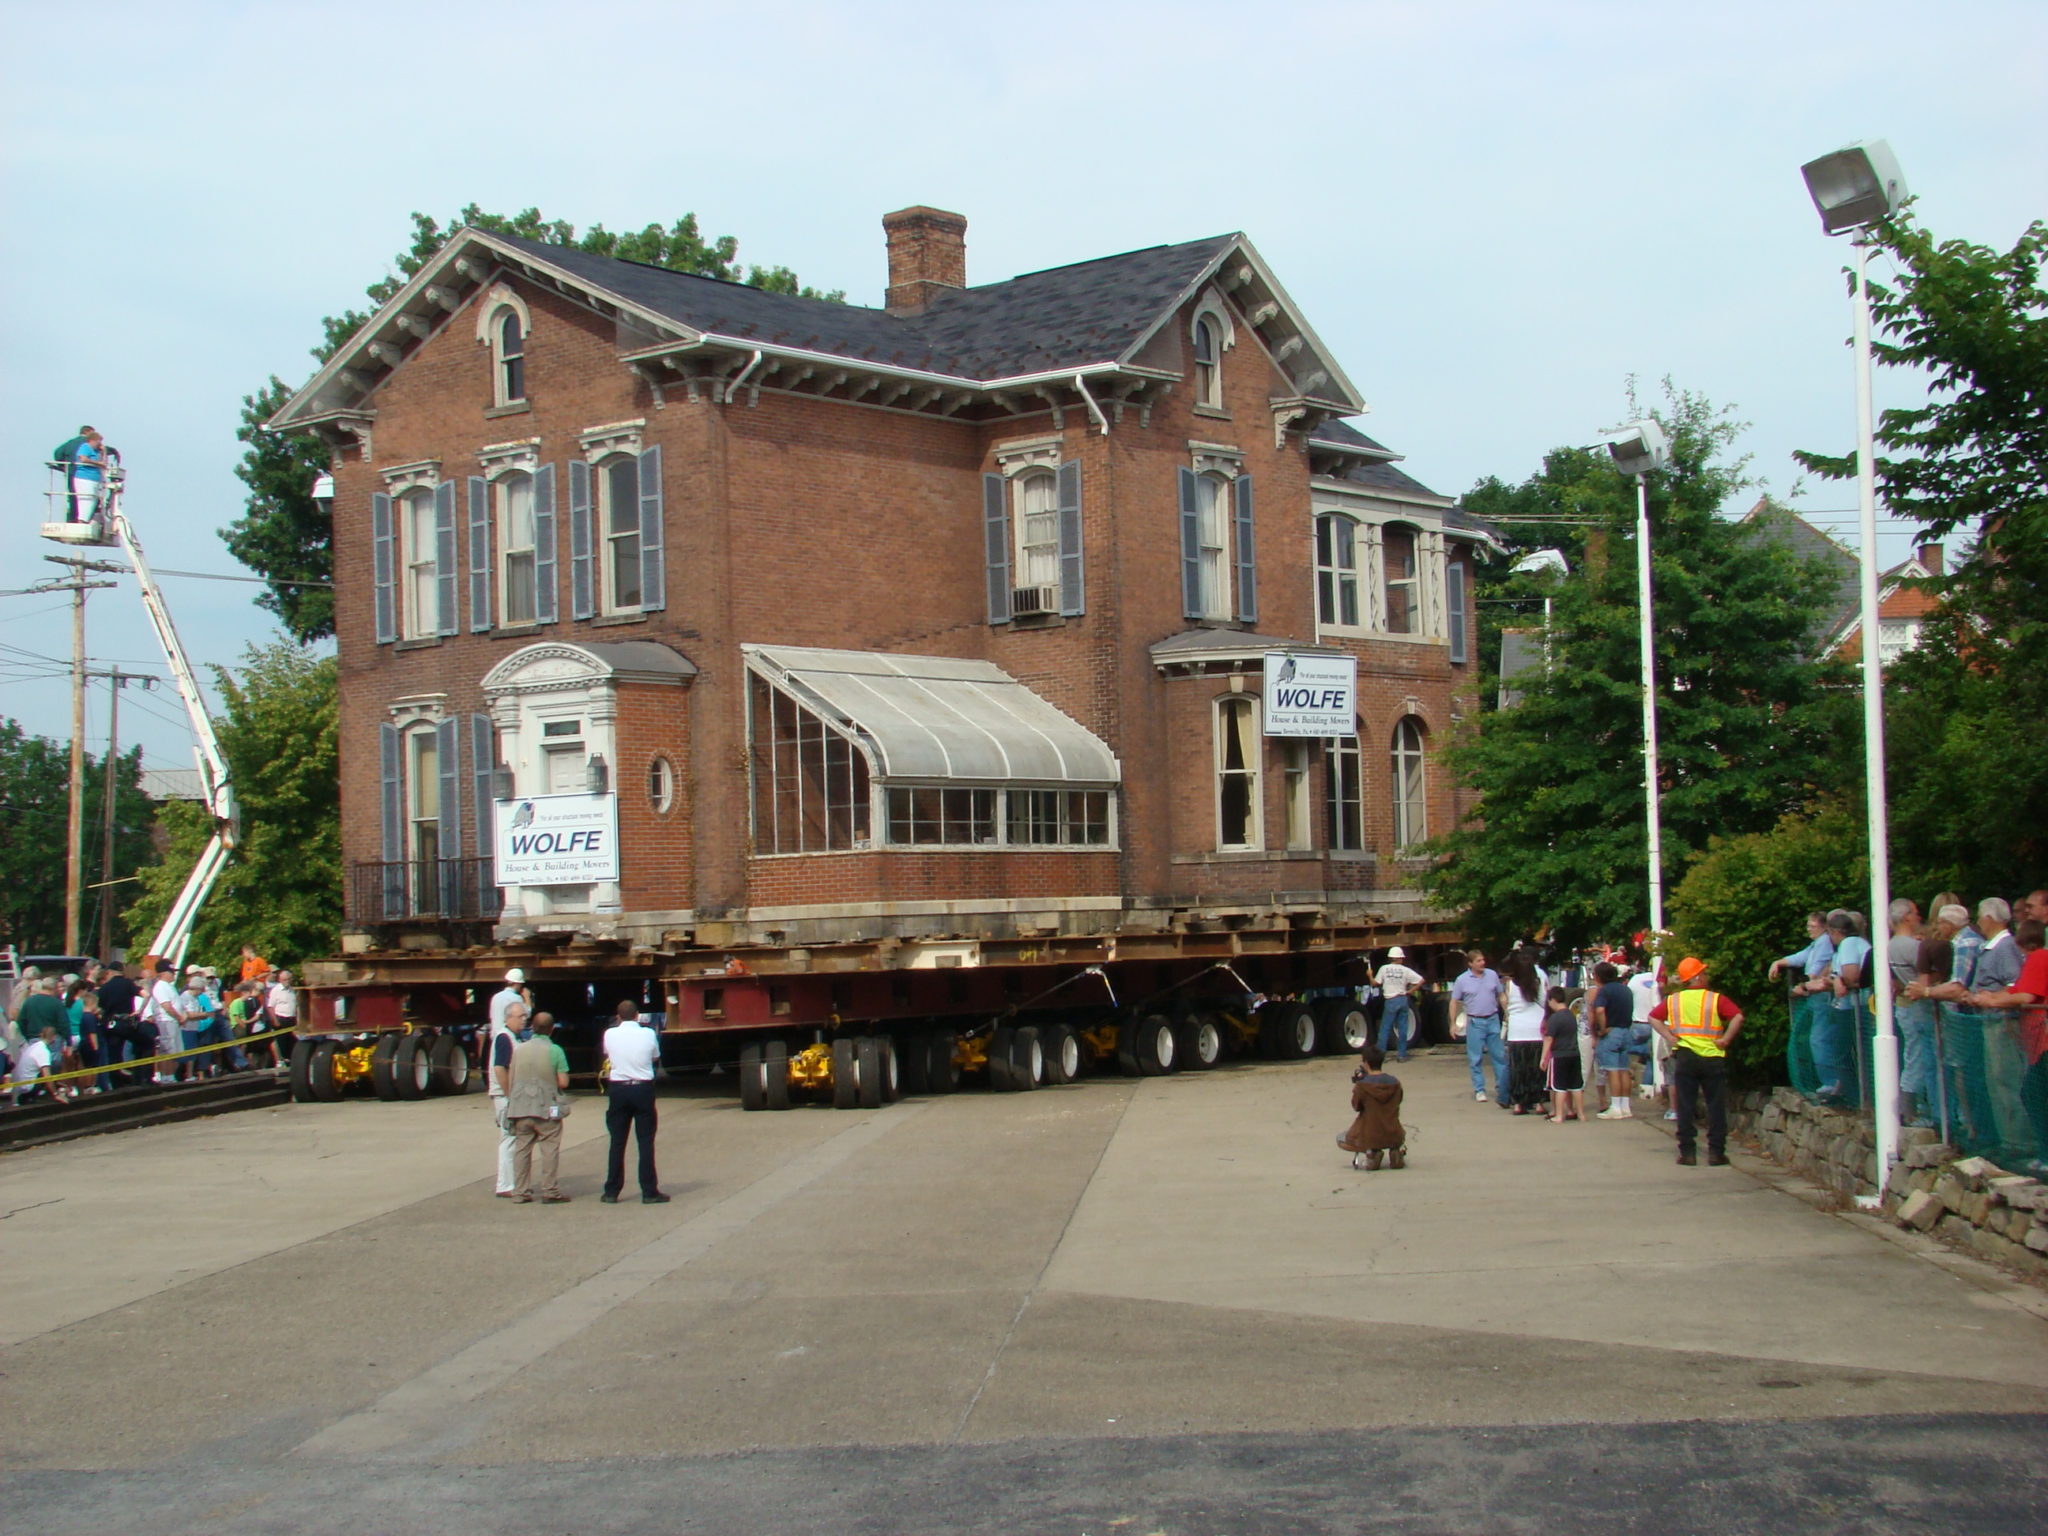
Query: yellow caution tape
pixel 144 1061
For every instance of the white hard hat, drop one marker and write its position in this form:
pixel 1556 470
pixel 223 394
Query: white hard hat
pixel 1397 953
pixel 516 976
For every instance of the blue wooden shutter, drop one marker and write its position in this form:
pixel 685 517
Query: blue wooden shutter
pixel 483 787
pixel 479 553
pixel 995 520
pixel 544 579
pixel 1071 591
pixel 383 568
pixel 582 565
pixel 389 748
pixel 1190 546
pixel 1454 608
pixel 446 592
pixel 1247 554
pixel 449 752
pixel 653 571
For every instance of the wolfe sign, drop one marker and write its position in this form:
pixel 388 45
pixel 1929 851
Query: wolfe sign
pixel 1311 695
pixel 558 840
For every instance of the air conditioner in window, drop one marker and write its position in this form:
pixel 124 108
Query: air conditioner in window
pixel 1025 602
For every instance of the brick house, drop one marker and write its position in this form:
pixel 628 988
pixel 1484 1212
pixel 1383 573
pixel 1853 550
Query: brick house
pixel 876 630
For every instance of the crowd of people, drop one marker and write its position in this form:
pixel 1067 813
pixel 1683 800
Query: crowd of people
pixel 108 1026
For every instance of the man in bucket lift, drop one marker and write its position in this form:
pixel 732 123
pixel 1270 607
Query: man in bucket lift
pixel 83 458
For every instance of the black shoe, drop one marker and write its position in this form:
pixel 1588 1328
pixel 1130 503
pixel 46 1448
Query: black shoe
pixel 1717 1159
pixel 609 1198
pixel 657 1198
pixel 1686 1160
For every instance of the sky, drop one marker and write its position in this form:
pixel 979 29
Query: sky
pixel 1494 213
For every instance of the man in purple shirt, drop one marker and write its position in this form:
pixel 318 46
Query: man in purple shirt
pixel 1479 996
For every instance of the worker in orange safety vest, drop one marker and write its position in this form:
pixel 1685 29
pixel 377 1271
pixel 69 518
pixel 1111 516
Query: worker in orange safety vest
pixel 1699 1024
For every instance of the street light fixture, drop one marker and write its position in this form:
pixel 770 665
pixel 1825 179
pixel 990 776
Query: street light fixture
pixel 1639 448
pixel 1853 189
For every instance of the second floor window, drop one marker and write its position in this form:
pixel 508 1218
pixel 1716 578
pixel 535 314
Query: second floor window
pixel 419 539
pixel 1337 570
pixel 1037 518
pixel 518 542
pixel 1212 544
pixel 1402 589
pixel 619 515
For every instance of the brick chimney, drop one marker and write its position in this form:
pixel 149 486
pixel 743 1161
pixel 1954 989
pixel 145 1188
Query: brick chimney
pixel 1931 556
pixel 927 252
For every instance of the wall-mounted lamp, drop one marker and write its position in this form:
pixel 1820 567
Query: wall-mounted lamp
pixel 599 777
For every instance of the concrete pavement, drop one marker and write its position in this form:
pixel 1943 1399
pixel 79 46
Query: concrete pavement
pixel 1183 1268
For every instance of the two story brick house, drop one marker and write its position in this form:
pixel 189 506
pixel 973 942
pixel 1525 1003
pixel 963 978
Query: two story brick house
pixel 885 638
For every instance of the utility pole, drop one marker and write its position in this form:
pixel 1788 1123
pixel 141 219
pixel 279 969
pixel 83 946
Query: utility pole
pixel 74 863
pixel 109 793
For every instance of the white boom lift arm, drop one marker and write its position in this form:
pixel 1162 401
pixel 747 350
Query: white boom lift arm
pixel 113 526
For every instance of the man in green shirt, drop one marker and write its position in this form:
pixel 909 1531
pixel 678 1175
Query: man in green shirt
pixel 43 1011
pixel 533 1081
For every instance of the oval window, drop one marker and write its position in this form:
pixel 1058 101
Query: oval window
pixel 661 785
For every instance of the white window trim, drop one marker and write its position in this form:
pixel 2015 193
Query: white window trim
pixel 1002 843
pixel 500 297
pixel 1021 455
pixel 1225 459
pixel 1015 487
pixel 1398 798
pixel 601 443
pixel 602 535
pixel 1357 571
pixel 1212 309
pixel 401 479
pixel 500 459
pixel 1255 823
pixel 1225 607
pixel 1432 560
pixel 418 709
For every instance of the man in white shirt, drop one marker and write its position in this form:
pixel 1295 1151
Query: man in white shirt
pixel 163 1014
pixel 504 1036
pixel 1396 983
pixel 1646 986
pixel 36 1061
pixel 632 1051
pixel 511 994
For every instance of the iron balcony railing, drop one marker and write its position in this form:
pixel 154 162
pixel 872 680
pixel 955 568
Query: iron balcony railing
pixel 422 891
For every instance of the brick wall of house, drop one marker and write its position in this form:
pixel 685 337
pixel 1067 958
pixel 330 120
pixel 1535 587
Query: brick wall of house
pixel 928 875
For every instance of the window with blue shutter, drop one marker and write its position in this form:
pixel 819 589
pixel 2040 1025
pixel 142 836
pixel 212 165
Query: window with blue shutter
pixel 479 553
pixel 483 791
pixel 392 807
pixel 446 591
pixel 995 519
pixel 448 757
pixel 582 554
pixel 653 573
pixel 1247 552
pixel 1072 593
pixel 1190 545
pixel 384 568
pixel 544 578
pixel 1454 609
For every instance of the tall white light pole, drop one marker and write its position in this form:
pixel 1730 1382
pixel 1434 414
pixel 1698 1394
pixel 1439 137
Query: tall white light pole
pixel 1853 189
pixel 1638 448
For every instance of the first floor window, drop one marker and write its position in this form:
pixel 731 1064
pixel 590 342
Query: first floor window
pixel 936 815
pixel 621 522
pixel 1294 787
pixel 1237 775
pixel 1344 799
pixel 810 781
pixel 423 816
pixel 516 539
pixel 419 535
pixel 1336 570
pixel 1411 807
pixel 1397 550
pixel 1037 517
pixel 1058 817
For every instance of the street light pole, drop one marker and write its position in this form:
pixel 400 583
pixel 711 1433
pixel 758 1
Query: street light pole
pixel 1651 816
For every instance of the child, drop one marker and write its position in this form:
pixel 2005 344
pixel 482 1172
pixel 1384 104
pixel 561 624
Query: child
pixel 1376 1098
pixel 1563 1067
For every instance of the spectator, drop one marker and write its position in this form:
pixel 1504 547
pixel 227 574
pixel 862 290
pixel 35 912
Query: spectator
pixel 1834 1034
pixel 24 988
pixel 82 1022
pixel 34 1064
pixel 1612 1012
pixel 1478 997
pixel 195 1029
pixel 2028 993
pixel 632 1051
pixel 2035 906
pixel 162 1013
pixel 1998 963
pixel 281 1006
pixel 1931 970
pixel 43 1021
pixel 1563 1067
pixel 1914 1019
pixel 502 1040
pixel 254 966
pixel 1396 982
pixel 1527 1091
pixel 536 1080
pixel 1699 1025
pixel 1376 1129
pixel 126 1037
pixel 1646 989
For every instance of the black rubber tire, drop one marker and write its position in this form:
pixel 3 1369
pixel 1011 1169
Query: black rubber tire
pixel 1294 1032
pixel 942 1071
pixel 892 1068
pixel 867 1054
pixel 1127 1049
pixel 775 1075
pixel 1198 1042
pixel 845 1075
pixel 1062 1048
pixel 914 1065
pixel 451 1065
pixel 298 1073
pixel 1002 1078
pixel 753 1085
pixel 412 1070
pixel 1342 1028
pixel 383 1068
pixel 1153 1044
pixel 320 1078
pixel 1027 1058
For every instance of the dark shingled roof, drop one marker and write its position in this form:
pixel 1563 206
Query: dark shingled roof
pixel 1342 435
pixel 1063 317
pixel 1795 533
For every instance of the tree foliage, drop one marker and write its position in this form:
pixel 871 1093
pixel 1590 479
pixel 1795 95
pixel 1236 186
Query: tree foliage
pixel 1968 779
pixel 284 535
pixel 35 780
pixel 281 891
pixel 1744 721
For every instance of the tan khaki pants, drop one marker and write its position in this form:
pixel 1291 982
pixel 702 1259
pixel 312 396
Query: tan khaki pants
pixel 530 1134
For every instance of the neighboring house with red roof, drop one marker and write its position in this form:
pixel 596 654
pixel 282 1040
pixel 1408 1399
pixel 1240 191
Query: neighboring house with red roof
pixel 1903 604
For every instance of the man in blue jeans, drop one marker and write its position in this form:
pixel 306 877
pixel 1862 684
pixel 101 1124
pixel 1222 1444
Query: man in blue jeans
pixel 1395 982
pixel 1478 996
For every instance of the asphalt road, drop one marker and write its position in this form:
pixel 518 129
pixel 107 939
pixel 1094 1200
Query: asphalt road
pixel 1121 1307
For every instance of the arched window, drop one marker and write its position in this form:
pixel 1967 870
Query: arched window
pixel 1336 570
pixel 519 549
pixel 1035 513
pixel 619 513
pixel 1398 554
pixel 1411 804
pixel 1237 774
pixel 509 342
pixel 1208 373
pixel 1344 794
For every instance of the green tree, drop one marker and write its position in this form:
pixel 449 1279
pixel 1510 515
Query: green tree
pixel 284 535
pixel 1743 720
pixel 281 891
pixel 1968 779
pixel 35 776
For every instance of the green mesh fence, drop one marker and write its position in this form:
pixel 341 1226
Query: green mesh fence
pixel 1827 1049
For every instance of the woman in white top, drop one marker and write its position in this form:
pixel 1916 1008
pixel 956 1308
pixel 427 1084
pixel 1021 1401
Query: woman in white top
pixel 1528 1091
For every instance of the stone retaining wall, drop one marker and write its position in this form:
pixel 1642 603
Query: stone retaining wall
pixel 1971 1203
